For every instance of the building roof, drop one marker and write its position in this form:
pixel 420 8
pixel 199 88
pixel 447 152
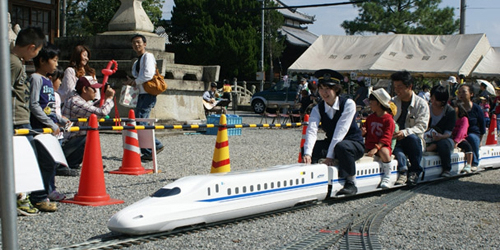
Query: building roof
pixel 295 15
pixel 297 36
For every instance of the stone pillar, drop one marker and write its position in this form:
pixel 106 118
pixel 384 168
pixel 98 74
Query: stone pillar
pixel 131 17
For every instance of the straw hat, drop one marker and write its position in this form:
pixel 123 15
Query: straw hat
pixel 383 97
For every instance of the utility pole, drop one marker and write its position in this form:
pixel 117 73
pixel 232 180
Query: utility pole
pixel 262 46
pixel 463 6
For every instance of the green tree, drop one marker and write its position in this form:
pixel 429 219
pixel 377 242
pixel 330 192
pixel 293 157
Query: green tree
pixel 218 32
pixel 402 17
pixel 89 17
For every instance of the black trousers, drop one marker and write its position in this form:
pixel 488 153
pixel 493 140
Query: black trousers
pixel 346 152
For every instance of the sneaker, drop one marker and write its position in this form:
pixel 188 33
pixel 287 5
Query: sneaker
pixel 67 172
pixel 473 168
pixel 46 206
pixel 401 179
pixel 413 178
pixel 349 189
pixel 24 207
pixel 386 182
pixel 446 174
pixel 56 196
pixel 158 150
pixel 146 157
pixel 467 169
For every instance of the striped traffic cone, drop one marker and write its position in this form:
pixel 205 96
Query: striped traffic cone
pixel 92 188
pixel 303 140
pixel 131 163
pixel 492 131
pixel 220 162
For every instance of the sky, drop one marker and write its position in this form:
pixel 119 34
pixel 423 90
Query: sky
pixel 481 16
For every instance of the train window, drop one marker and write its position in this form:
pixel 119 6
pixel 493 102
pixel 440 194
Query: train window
pixel 366 171
pixel 228 191
pixel 251 188
pixel 164 192
pixel 258 187
pixel 284 183
pixel 312 175
pixel 216 188
pixel 303 181
pixel 369 171
pixel 278 183
pixel 296 181
pixel 244 189
pixel 272 184
pixel 265 186
pixel 208 189
pixel 357 172
pixel 236 190
pixel 291 182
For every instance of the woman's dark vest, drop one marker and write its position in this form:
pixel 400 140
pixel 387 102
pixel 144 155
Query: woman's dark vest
pixel 329 125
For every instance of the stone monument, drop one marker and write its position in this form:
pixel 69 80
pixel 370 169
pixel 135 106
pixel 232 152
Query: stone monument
pixel 186 83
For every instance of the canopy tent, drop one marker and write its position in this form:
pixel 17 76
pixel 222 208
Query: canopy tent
pixel 489 67
pixel 379 56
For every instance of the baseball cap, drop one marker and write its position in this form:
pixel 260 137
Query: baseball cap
pixel 84 82
pixel 213 84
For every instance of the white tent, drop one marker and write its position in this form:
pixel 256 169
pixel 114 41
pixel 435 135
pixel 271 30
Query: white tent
pixel 489 67
pixel 425 55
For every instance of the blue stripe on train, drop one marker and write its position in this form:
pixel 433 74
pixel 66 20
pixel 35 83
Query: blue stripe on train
pixel 265 192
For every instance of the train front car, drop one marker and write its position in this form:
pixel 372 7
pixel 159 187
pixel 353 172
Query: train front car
pixel 217 197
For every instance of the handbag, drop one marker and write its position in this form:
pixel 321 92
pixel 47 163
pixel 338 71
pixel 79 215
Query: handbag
pixel 156 85
pixel 128 96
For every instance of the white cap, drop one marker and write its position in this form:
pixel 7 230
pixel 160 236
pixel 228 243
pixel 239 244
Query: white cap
pixel 452 79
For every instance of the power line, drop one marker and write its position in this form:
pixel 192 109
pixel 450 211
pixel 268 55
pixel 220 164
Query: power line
pixel 314 5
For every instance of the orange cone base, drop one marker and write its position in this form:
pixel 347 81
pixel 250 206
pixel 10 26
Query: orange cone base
pixel 129 171
pixel 79 200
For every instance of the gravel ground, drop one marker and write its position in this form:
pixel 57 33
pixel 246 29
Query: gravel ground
pixel 457 214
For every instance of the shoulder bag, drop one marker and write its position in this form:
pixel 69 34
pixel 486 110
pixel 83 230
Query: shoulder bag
pixel 156 85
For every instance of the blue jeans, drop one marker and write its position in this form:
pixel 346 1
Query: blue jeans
pixel 346 151
pixel 73 151
pixel 146 102
pixel 410 146
pixel 445 149
pixel 474 141
pixel 47 169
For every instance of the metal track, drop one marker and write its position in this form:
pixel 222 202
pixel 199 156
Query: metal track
pixel 118 241
pixel 359 230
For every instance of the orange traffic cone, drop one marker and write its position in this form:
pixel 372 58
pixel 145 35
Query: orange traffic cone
pixel 220 162
pixel 131 163
pixel 492 131
pixel 303 140
pixel 92 188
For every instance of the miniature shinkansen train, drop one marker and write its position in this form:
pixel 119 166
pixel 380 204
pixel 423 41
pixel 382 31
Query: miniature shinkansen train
pixel 216 197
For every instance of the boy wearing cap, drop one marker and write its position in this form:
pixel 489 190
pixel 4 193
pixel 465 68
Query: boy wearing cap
pixel 412 118
pixel 378 130
pixel 78 106
pixel 343 136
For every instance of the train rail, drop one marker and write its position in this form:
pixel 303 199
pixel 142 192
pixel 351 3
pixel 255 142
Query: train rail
pixel 119 241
